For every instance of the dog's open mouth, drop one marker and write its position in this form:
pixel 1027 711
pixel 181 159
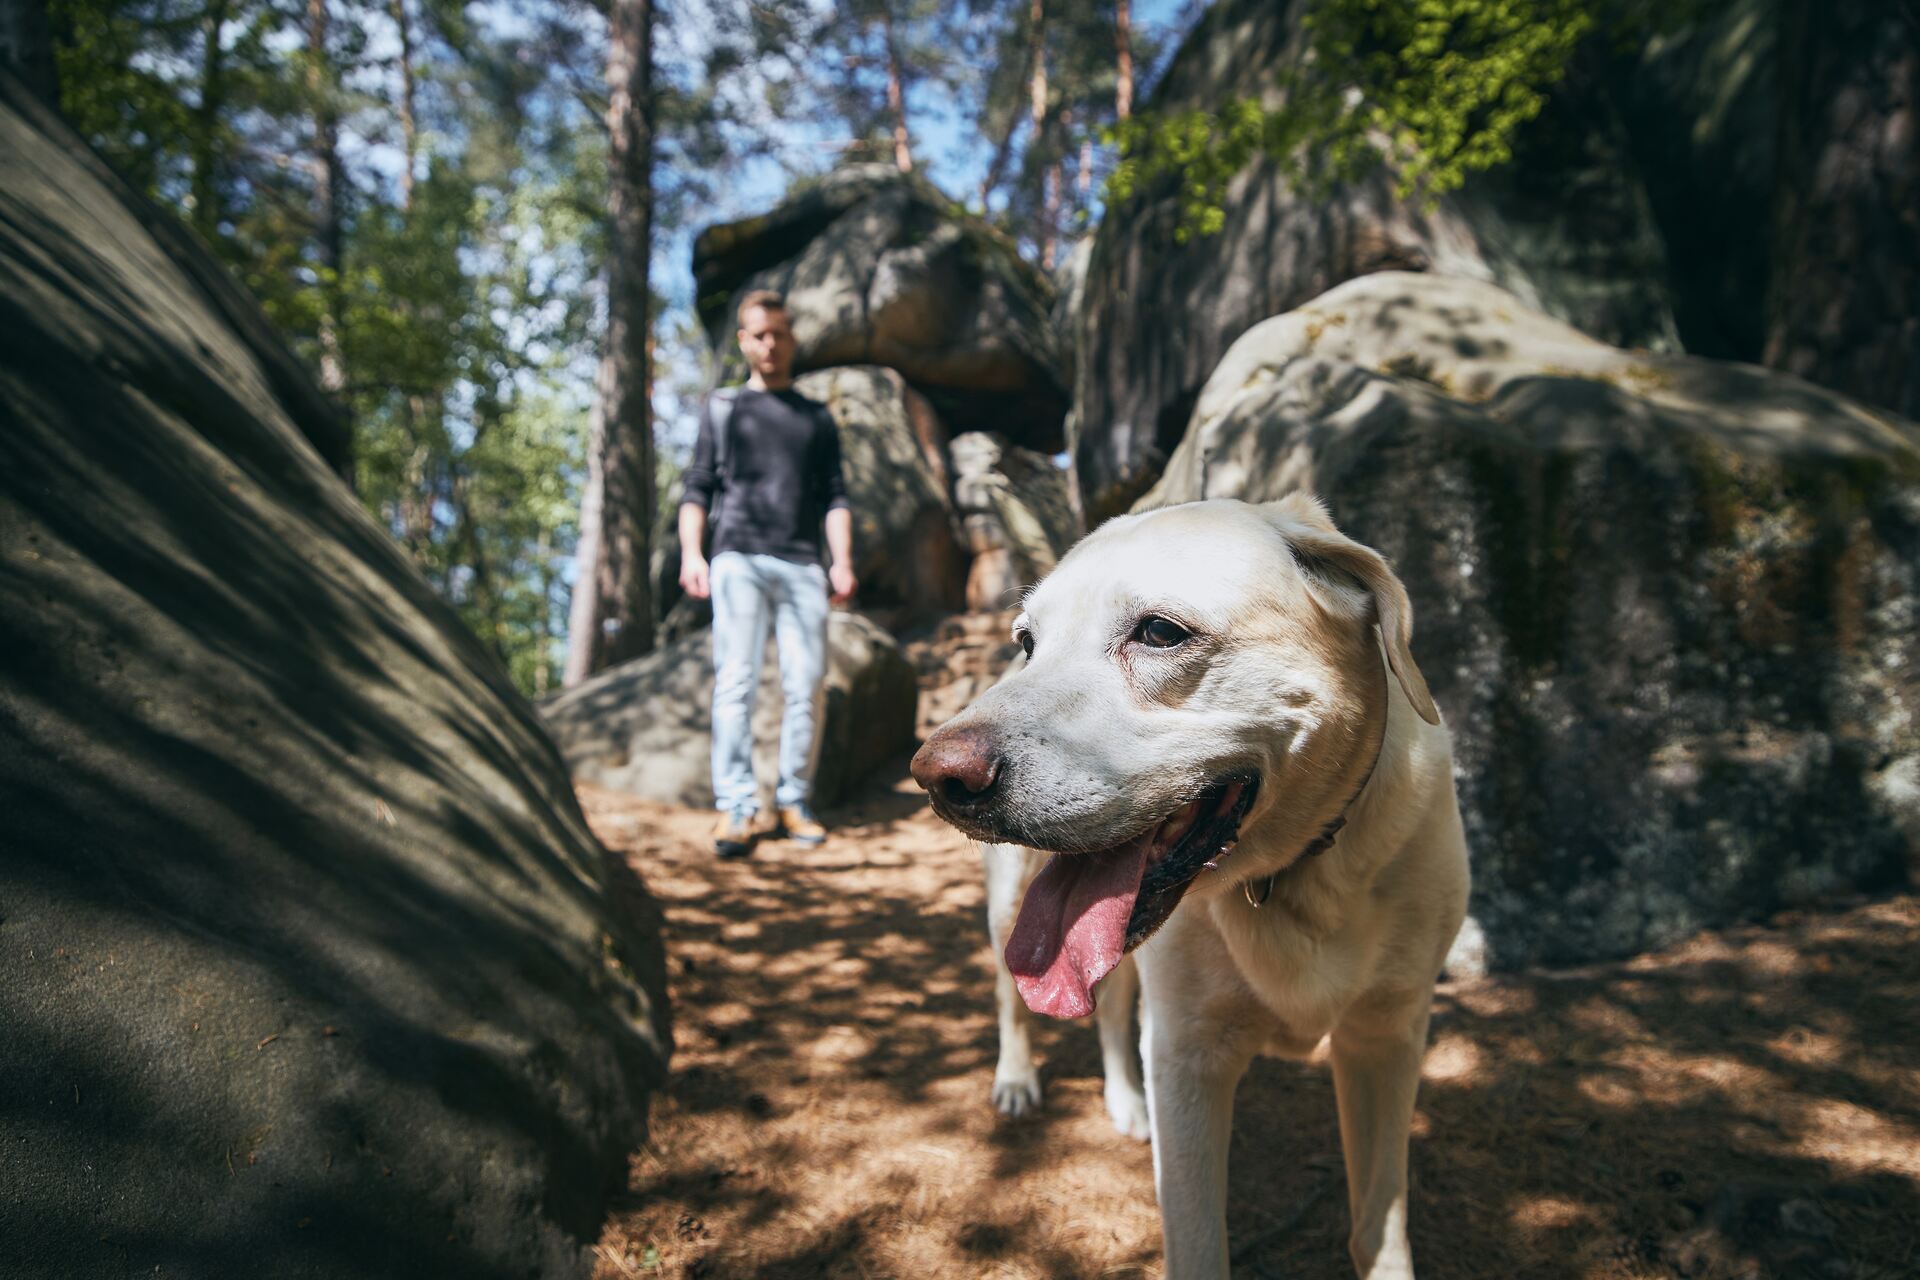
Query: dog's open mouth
pixel 1086 910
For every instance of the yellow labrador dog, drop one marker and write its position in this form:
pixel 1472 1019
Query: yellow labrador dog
pixel 1221 737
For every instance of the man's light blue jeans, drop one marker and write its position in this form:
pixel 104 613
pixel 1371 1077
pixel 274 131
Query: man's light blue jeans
pixel 750 593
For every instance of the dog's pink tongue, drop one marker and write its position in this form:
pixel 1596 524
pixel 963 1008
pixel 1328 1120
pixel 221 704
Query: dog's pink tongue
pixel 1072 928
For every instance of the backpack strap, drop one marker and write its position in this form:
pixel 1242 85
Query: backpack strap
pixel 720 422
pixel 719 413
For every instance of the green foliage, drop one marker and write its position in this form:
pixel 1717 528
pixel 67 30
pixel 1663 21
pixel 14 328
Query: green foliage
pixel 1053 173
pixel 1436 88
pixel 464 304
pixel 139 120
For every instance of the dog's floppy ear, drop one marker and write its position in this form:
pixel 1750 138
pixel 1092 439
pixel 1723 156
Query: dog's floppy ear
pixel 1324 551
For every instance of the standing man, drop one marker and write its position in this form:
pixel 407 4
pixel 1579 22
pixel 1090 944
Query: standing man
pixel 766 469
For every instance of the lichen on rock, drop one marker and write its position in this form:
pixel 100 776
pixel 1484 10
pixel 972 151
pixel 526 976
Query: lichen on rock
pixel 1666 604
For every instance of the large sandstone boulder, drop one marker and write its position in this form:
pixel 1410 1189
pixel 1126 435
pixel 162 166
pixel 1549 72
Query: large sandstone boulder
pixel 1016 513
pixel 1669 606
pixel 1565 226
pixel 880 268
pixel 894 463
pixel 309 966
pixel 893 459
pixel 645 727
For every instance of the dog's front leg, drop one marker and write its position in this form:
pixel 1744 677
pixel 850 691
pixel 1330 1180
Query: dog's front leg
pixel 1375 1078
pixel 1016 1081
pixel 1190 1087
pixel 1116 997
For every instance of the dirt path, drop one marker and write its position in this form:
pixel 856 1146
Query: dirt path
pixel 1747 1104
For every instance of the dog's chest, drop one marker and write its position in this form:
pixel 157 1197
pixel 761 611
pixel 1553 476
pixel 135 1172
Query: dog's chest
pixel 1300 982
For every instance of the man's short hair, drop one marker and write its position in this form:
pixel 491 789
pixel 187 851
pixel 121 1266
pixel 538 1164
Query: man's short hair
pixel 771 299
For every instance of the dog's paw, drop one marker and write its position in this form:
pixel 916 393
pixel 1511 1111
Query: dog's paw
pixel 1128 1107
pixel 1016 1093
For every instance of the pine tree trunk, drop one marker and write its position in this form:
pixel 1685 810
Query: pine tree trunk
pixel 1844 295
pixel 542 629
pixel 583 609
pixel 1123 48
pixel 26 47
pixel 409 128
pixel 1037 113
pixel 483 593
pixel 1037 82
pixel 617 511
pixel 1036 38
pixel 896 95
pixel 420 522
pixel 417 498
pixel 1050 217
pixel 213 97
pixel 327 182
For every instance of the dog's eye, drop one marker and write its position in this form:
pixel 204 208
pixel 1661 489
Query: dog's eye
pixel 1158 633
pixel 1026 641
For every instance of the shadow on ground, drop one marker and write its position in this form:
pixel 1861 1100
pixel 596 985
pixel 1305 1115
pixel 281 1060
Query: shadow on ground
pixel 1743 1105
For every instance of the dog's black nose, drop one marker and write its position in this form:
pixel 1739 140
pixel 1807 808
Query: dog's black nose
pixel 958 766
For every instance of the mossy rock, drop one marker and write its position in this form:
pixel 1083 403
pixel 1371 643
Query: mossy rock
pixel 1669 606
pixel 880 268
pixel 309 965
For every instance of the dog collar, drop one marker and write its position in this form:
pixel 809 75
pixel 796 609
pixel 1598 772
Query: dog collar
pixel 1324 841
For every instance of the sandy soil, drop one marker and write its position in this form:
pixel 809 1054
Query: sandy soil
pixel 1746 1104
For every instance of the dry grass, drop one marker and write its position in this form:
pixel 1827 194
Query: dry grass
pixel 1744 1105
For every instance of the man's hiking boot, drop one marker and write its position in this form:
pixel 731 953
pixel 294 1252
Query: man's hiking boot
pixel 734 834
pixel 801 826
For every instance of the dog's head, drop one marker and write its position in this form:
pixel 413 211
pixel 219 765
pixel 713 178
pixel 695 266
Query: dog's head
pixel 1202 693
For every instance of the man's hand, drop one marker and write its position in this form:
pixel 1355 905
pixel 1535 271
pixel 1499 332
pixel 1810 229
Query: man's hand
pixel 693 575
pixel 840 555
pixel 840 578
pixel 693 564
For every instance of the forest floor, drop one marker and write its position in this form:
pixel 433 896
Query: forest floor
pixel 1745 1104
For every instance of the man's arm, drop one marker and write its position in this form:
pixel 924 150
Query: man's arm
pixel 693 561
pixel 840 548
pixel 839 517
pixel 696 492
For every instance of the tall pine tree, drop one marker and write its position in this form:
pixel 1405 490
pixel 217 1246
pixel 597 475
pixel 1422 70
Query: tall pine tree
pixel 612 615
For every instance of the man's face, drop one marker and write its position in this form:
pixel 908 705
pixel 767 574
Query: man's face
pixel 766 340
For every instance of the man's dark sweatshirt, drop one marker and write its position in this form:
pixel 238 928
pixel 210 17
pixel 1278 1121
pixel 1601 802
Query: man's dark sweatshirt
pixel 781 477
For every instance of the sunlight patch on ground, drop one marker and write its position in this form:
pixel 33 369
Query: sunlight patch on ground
pixel 828 1113
pixel 1535 1214
pixel 1857 1140
pixel 1452 1057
